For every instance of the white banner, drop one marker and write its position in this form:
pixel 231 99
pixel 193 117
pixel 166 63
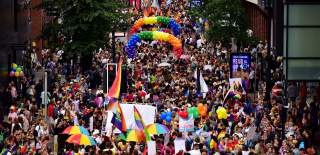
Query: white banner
pixel 179 145
pixel 147 113
pixel 186 125
pixel 152 150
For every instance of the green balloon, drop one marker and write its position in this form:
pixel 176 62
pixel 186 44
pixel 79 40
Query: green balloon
pixel 195 109
pixel 166 21
pixel 18 69
pixel 196 115
pixel 190 111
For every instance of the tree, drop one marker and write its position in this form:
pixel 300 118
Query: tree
pixel 226 19
pixel 82 26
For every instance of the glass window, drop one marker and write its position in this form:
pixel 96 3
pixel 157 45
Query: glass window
pixel 304 69
pixel 303 15
pixel 303 42
pixel 285 14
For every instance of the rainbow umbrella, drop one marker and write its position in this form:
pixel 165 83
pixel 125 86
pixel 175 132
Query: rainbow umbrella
pixel 157 129
pixel 81 139
pixel 71 130
pixel 135 136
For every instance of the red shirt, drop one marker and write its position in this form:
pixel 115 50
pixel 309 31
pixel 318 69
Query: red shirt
pixel 142 93
pixel 51 110
pixel 130 98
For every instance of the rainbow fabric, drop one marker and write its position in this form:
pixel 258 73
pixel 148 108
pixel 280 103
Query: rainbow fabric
pixel 114 91
pixel 113 105
pixel 234 92
pixel 140 123
pixel 118 119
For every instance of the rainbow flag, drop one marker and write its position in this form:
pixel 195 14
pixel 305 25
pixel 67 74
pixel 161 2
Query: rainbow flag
pixel 113 105
pixel 114 91
pixel 140 123
pixel 118 119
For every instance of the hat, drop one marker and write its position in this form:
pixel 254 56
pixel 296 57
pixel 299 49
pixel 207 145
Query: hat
pixel 95 132
pixel 238 134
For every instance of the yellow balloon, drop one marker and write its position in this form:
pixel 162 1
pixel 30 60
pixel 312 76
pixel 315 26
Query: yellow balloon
pixel 155 35
pixel 165 36
pixel 222 113
pixel 14 65
pixel 16 74
pixel 150 20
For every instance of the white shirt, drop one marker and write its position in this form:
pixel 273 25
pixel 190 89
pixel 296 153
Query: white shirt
pixel 199 43
pixel 195 152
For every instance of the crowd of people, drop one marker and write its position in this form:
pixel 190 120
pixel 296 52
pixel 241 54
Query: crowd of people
pixel 255 124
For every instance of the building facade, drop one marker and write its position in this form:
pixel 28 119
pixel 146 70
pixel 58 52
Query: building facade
pixel 20 27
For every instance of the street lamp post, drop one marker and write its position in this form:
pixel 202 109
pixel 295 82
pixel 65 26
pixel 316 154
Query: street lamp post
pixel 45 96
pixel 113 46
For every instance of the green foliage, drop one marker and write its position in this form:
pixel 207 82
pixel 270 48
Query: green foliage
pixel 85 25
pixel 226 18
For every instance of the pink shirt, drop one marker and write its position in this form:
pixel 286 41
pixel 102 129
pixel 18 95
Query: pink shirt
pixel 13 115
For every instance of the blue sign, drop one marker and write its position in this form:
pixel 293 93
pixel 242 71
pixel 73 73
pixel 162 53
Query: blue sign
pixel 195 3
pixel 240 65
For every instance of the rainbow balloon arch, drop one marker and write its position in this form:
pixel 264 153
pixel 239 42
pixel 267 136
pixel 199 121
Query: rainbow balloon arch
pixel 175 27
pixel 153 35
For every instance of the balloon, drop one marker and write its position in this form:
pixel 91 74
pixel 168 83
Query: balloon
pixel 163 116
pixel 16 74
pixel 14 65
pixel 195 109
pixel 196 114
pixel 166 21
pixel 200 106
pixel 183 114
pixel 21 74
pixel 18 69
pixel 11 74
pixel 222 113
pixel 169 113
pixel 154 35
pixel 190 112
pixel 168 119
pixel 203 111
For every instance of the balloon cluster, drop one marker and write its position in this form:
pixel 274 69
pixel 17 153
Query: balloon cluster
pixel 222 113
pixel 200 110
pixel 167 116
pixel 153 35
pixel 175 27
pixel 16 71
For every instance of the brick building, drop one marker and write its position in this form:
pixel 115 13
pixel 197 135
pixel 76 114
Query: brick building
pixel 20 26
